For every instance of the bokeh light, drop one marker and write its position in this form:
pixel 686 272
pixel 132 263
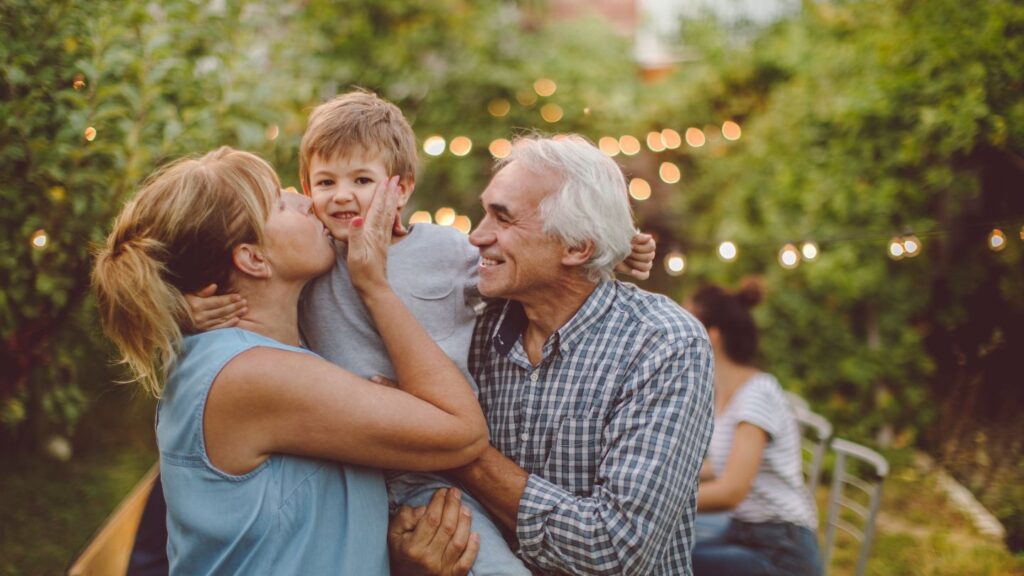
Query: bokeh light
pixel 526 97
pixel 462 224
pixel 551 112
pixel 460 145
pixel 609 145
pixel 810 251
pixel 499 107
pixel 655 141
pixel 896 250
pixel 789 257
pixel 273 131
pixel 79 82
pixel 500 148
pixel 997 240
pixel 671 138
pixel 695 137
pixel 434 145
pixel 727 251
pixel 639 189
pixel 90 134
pixel 675 263
pixel 39 239
pixel 445 216
pixel 629 144
pixel 669 173
pixel 731 130
pixel 420 217
pixel 545 87
pixel 911 245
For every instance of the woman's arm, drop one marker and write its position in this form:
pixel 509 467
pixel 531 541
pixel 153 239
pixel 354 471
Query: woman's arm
pixel 728 490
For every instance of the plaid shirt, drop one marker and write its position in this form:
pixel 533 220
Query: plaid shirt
pixel 612 425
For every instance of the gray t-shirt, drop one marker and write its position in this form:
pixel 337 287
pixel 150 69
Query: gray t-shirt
pixel 434 272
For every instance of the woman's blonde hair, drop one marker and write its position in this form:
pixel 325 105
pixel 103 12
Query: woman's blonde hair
pixel 174 237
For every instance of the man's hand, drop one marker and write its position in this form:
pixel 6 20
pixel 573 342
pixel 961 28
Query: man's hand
pixel 640 261
pixel 434 540
pixel 210 312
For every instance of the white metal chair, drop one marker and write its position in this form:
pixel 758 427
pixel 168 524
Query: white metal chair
pixel 857 469
pixel 815 432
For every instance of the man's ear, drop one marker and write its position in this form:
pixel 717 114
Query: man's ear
pixel 250 260
pixel 405 188
pixel 578 255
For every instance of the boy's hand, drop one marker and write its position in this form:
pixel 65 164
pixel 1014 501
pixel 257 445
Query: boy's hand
pixel 210 312
pixel 640 261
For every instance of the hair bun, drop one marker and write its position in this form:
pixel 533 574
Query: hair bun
pixel 750 292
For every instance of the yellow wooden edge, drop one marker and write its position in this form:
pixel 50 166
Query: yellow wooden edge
pixel 108 551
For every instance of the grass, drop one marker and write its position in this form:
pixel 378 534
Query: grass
pixel 52 509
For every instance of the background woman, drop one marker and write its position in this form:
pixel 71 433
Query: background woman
pixel 248 421
pixel 755 457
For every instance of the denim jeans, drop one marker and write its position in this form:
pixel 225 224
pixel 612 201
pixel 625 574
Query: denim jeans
pixel 755 549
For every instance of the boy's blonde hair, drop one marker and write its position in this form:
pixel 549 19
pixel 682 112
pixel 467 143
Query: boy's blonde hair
pixel 174 237
pixel 359 121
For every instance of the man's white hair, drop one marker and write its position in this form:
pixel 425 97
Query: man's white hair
pixel 591 203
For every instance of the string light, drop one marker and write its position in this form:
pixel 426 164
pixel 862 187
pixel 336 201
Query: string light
pixel 695 137
pixel 639 189
pixel 655 142
pixel 545 87
pixel 79 82
pixel 551 112
pixel 90 134
pixel 500 148
pixel 727 251
pixel 809 250
pixel 731 130
pixel 911 245
pixel 445 216
pixel 434 145
pixel 789 257
pixel 586 110
pixel 669 173
pixel 896 250
pixel 997 240
pixel 420 217
pixel 273 131
pixel 526 97
pixel 462 224
pixel 609 145
pixel 629 144
pixel 460 145
pixel 39 239
pixel 671 138
pixel 675 263
pixel 498 107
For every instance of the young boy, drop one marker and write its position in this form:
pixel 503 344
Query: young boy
pixel 352 143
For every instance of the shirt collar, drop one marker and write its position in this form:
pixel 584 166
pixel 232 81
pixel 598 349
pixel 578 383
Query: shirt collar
pixel 513 321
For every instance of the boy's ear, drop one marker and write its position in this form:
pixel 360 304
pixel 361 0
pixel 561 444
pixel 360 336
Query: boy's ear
pixel 405 188
pixel 250 260
pixel 578 255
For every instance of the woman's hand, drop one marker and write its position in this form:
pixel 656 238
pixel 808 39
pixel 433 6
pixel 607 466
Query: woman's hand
pixel 640 261
pixel 370 237
pixel 210 312
pixel 434 540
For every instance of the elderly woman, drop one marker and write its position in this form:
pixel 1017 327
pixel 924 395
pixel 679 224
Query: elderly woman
pixel 250 425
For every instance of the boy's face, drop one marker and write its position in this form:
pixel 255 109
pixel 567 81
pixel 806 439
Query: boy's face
pixel 342 188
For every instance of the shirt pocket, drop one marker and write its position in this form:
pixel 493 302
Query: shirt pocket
pixel 433 301
pixel 575 454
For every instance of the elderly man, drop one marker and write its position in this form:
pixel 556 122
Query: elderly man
pixel 598 395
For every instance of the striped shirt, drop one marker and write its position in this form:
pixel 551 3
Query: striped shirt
pixel 612 426
pixel 778 493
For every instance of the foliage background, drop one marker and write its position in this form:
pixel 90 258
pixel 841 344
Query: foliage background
pixel 860 119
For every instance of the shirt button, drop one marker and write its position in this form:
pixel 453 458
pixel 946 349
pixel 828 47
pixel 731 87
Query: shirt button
pixel 534 376
pixel 524 436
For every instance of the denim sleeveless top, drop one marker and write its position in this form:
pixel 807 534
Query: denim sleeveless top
pixel 290 515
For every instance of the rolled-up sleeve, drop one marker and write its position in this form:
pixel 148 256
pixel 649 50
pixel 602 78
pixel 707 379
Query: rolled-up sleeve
pixel 652 448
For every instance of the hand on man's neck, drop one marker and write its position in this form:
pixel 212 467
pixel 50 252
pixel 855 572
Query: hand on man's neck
pixel 551 310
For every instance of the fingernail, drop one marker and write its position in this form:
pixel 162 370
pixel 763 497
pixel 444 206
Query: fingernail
pixel 456 494
pixel 357 222
pixel 466 512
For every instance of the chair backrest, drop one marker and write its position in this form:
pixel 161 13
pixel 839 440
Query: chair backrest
pixel 815 432
pixel 107 553
pixel 855 497
pixel 797 401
